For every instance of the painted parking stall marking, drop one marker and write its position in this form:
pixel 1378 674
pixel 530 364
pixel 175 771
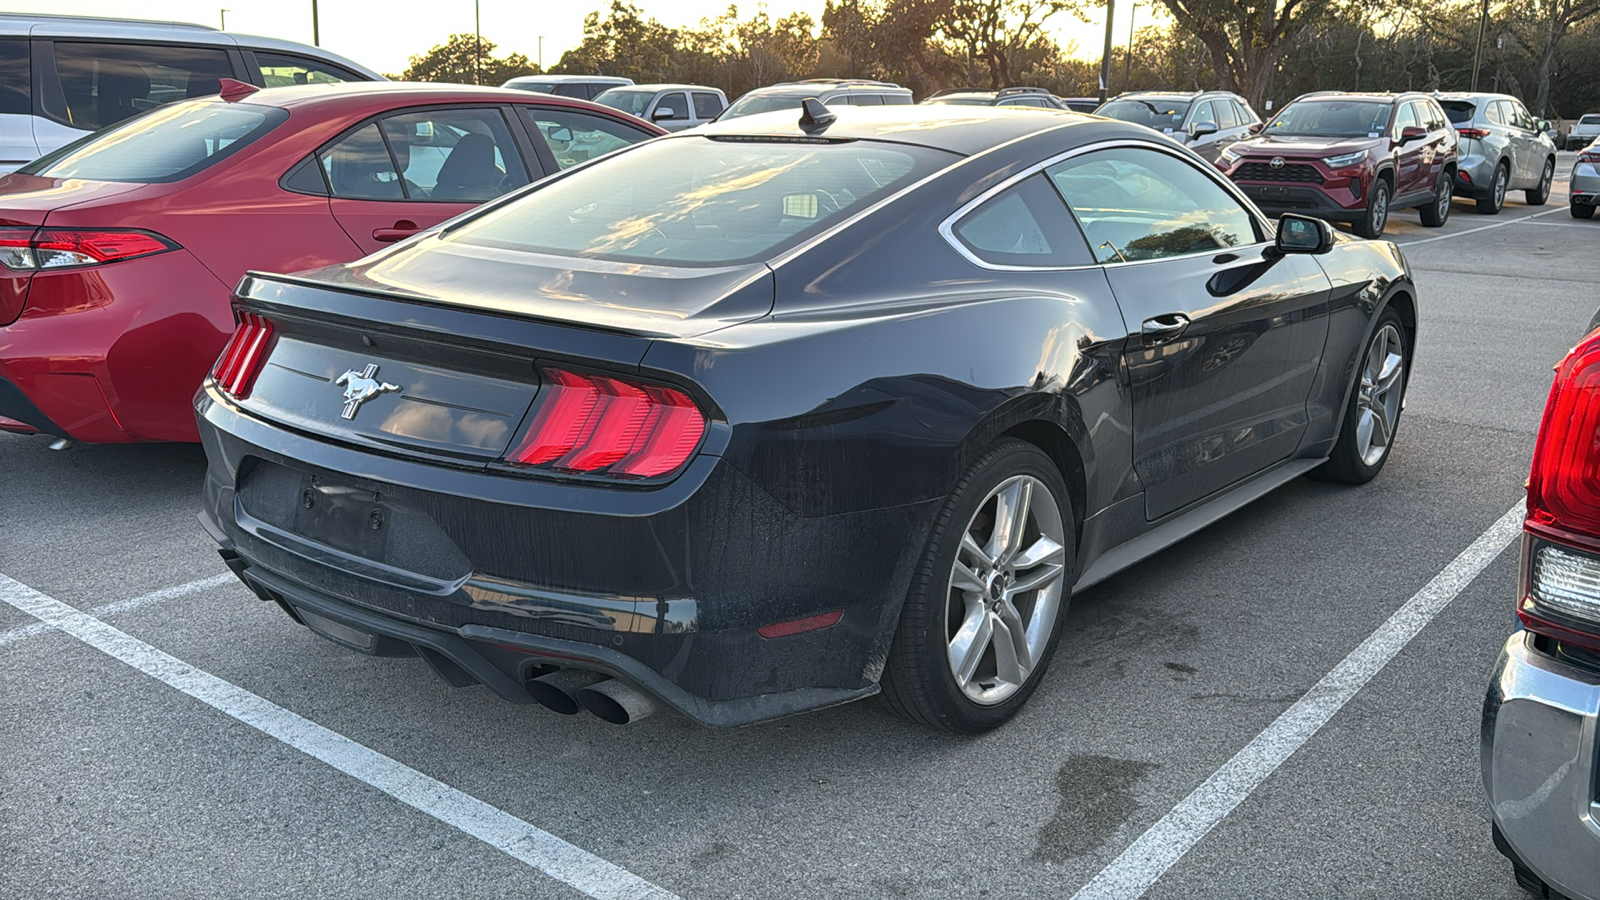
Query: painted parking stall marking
pixel 533 846
pixel 122 606
pixel 1170 839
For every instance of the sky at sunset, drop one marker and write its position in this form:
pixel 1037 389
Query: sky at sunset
pixel 384 35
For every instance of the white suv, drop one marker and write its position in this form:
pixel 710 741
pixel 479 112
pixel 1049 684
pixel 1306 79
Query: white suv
pixel 62 77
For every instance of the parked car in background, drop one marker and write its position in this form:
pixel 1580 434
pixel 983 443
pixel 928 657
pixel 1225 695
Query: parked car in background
pixel 1584 190
pixel 894 383
pixel 62 77
pixel 1351 158
pixel 1080 104
pixel 1204 121
pixel 117 254
pixel 1026 97
pixel 1502 147
pixel 672 106
pixel 1541 758
pixel 584 87
pixel 831 91
pixel 1586 129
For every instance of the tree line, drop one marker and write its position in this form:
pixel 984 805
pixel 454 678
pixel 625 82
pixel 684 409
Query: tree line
pixel 1545 51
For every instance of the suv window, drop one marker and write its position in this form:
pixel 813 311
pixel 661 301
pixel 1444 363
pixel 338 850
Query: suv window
pixel 15 94
pixel 1024 225
pixel 1228 114
pixel 1491 111
pixel 896 99
pixel 576 137
pixel 1137 204
pixel 1404 118
pixel 1523 118
pixel 166 145
pixel 1435 115
pixel 868 99
pixel 282 70
pixel 105 83
pixel 455 155
pixel 1203 115
pixel 706 106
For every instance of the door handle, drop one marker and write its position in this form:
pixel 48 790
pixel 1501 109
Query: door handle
pixel 399 231
pixel 1158 329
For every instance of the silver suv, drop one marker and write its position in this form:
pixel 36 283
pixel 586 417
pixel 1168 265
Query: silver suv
pixel 62 77
pixel 1503 148
pixel 584 87
pixel 675 107
pixel 1204 121
pixel 831 91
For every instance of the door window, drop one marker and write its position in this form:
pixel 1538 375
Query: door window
pixel 106 83
pixel 1404 118
pixel 454 155
pixel 282 70
pixel 1524 119
pixel 1024 225
pixel 1228 115
pixel 1137 204
pixel 676 105
pixel 1203 115
pixel 15 95
pixel 868 99
pixel 576 137
pixel 360 167
pixel 706 106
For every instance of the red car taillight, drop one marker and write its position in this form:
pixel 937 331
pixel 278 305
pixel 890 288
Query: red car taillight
pixel 602 425
pixel 1560 595
pixel 1589 156
pixel 1473 132
pixel 236 369
pixel 44 249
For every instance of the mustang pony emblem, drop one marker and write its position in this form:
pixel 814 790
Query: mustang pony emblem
pixel 359 387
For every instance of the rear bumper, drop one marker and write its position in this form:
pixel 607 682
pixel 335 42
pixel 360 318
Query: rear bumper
pixel 508 578
pixel 1539 765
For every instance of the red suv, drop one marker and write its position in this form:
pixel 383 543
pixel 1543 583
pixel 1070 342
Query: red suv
pixel 1350 158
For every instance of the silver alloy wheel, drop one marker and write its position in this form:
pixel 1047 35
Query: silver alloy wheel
pixel 1549 176
pixel 1446 192
pixel 1380 211
pixel 1005 590
pixel 1501 176
pixel 1378 394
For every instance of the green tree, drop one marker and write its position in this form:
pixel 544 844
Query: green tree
pixel 1248 39
pixel 464 59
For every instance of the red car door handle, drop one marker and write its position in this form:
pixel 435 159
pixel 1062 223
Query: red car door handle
pixel 397 232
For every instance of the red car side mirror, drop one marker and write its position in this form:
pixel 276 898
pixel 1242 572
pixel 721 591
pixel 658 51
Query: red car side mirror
pixel 1256 128
pixel 1411 133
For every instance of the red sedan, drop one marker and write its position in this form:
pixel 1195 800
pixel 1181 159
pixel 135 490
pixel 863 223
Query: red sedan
pixel 118 253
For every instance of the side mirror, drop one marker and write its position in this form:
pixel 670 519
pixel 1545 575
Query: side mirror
pixel 1303 234
pixel 1203 129
pixel 561 134
pixel 1411 133
pixel 1255 128
pixel 663 114
pixel 1544 125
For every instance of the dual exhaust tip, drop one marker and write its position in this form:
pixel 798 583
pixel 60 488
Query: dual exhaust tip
pixel 566 691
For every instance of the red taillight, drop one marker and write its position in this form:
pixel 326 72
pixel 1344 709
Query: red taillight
pixel 43 249
pixel 1473 132
pixel 1589 156
pixel 602 425
pixel 236 369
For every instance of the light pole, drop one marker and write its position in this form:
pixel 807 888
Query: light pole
pixel 1477 52
pixel 1127 68
pixel 1105 55
pixel 316 33
pixel 224 19
pixel 477 45
pixel 541 54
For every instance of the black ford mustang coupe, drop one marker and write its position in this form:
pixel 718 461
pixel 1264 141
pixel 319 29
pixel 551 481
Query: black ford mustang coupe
pixel 792 410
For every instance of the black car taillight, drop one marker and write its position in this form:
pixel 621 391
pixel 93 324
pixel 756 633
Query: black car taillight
pixel 1560 594
pixel 45 249
pixel 236 369
pixel 592 424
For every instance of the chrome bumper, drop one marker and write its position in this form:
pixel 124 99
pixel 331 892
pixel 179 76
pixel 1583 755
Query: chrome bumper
pixel 1539 765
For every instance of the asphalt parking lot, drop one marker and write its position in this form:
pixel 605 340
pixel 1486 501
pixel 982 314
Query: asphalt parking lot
pixel 1237 716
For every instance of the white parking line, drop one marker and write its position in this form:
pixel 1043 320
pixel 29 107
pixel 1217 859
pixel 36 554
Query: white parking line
pixel 1167 841
pixel 1501 224
pixel 121 606
pixel 537 848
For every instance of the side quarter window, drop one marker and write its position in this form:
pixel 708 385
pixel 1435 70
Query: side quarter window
pixel 1024 225
pixel 283 70
pixel 1138 204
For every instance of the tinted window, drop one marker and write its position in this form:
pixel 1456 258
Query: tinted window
pixel 675 103
pixel 896 99
pixel 1589 120
pixel 576 137
pixel 572 89
pixel 867 99
pixel 1151 112
pixel 165 145
pixel 360 168
pixel 1460 112
pixel 632 101
pixel 455 155
pixel 106 83
pixel 1138 204
pixel 1024 225
pixel 750 104
pixel 706 106
pixel 280 70
pixel 697 201
pixel 15 77
pixel 1228 114
pixel 1203 115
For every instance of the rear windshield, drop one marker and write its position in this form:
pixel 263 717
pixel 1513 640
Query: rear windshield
pixel 701 201
pixel 1459 111
pixel 1333 118
pixel 167 144
pixel 1149 112
pixel 749 106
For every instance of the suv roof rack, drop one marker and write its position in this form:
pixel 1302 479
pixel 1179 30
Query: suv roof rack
pixel 1019 89
pixel 844 81
pixel 958 90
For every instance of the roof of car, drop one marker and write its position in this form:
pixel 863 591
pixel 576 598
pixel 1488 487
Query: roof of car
pixel 813 86
pixel 359 93
pixel 567 79
pixel 971 130
pixel 668 87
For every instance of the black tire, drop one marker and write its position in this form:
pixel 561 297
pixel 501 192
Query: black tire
pixel 1538 195
pixel 1372 224
pixel 1436 212
pixel 1350 462
pixel 1490 203
pixel 1581 212
pixel 918 682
